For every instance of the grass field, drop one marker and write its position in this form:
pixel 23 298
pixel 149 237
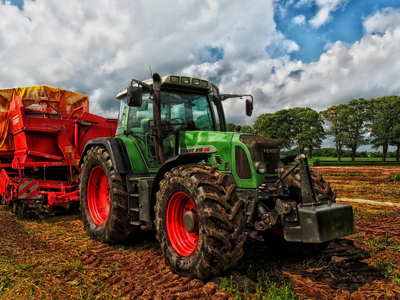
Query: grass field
pixel 357 159
pixel 346 161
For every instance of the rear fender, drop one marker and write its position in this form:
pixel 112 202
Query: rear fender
pixel 116 149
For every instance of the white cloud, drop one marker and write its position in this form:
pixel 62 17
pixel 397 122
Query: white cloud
pixel 380 21
pixel 324 10
pixel 97 47
pixel 324 13
pixel 84 45
pixel 366 69
pixel 299 20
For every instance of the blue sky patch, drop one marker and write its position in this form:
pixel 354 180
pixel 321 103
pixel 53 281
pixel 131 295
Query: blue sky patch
pixel 345 24
pixel 216 53
pixel 18 3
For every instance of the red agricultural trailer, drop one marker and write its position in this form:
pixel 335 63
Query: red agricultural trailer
pixel 43 131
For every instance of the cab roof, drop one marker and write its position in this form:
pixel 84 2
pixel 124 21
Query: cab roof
pixel 177 82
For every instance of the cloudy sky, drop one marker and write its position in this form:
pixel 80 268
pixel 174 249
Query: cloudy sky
pixel 314 53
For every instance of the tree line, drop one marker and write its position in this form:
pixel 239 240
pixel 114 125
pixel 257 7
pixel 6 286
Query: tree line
pixel 360 122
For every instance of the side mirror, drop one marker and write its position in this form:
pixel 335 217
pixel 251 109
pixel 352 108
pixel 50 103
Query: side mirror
pixel 249 108
pixel 134 96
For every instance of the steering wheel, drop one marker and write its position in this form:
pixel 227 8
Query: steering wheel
pixel 166 127
pixel 177 121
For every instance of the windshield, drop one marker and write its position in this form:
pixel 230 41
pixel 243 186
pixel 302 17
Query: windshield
pixel 179 111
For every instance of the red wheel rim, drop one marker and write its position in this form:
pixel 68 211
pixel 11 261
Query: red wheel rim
pixel 183 242
pixel 98 196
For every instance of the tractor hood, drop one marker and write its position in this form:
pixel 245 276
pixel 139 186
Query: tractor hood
pixel 215 142
pixel 234 153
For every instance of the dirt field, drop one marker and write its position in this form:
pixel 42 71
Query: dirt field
pixel 52 258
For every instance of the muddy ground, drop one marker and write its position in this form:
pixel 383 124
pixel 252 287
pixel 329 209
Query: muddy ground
pixel 52 258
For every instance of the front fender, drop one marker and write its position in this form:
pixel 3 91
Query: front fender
pixel 116 149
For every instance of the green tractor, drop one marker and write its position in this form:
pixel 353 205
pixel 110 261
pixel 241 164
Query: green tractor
pixel 172 167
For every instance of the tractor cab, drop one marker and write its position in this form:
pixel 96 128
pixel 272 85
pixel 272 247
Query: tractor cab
pixel 187 104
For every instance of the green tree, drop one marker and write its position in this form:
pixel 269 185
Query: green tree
pixel 230 127
pixel 395 140
pixel 307 127
pixel 297 126
pixel 277 126
pixel 335 116
pixel 385 129
pixel 356 115
pixel 247 129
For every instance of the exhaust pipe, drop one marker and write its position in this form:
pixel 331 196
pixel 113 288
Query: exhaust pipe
pixel 157 118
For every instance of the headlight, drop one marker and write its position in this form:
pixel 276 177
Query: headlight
pixel 260 167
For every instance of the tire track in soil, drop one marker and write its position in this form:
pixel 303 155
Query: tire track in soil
pixel 339 266
pixel 137 271
pixel 141 273
pixel 27 261
pixel 338 272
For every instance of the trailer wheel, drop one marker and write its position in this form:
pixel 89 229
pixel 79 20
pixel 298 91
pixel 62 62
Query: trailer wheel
pixel 104 199
pixel 199 221
pixel 19 208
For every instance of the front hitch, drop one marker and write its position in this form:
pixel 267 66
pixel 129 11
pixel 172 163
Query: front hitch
pixel 307 220
pixel 270 218
pixel 316 220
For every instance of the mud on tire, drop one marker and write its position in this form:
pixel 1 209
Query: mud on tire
pixel 116 227
pixel 321 187
pixel 220 221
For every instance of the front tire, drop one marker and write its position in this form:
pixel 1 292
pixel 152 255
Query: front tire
pixel 199 221
pixel 104 199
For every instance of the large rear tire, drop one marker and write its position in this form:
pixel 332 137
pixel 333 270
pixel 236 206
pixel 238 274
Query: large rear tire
pixel 104 199
pixel 199 221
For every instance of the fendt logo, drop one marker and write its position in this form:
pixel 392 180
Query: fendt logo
pixel 269 151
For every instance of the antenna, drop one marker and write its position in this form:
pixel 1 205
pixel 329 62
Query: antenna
pixel 151 73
